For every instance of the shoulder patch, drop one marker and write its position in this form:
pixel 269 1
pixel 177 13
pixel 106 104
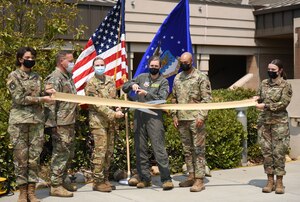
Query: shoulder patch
pixel 208 87
pixel 12 86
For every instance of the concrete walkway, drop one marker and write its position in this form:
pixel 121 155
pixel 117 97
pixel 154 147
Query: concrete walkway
pixel 233 185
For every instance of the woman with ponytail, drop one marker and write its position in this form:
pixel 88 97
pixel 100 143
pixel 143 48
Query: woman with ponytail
pixel 273 96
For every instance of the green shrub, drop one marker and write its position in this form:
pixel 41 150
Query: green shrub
pixel 223 95
pixel 83 143
pixel 120 152
pixel 254 153
pixel 173 145
pixel 223 142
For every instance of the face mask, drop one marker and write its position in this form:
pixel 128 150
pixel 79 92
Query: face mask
pixel 272 75
pixel 29 63
pixel 99 70
pixel 70 67
pixel 153 71
pixel 185 67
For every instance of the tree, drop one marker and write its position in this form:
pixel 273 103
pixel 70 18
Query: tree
pixel 40 24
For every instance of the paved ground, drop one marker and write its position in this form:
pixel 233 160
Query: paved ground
pixel 233 185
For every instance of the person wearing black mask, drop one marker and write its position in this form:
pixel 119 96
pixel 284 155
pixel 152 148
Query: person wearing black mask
pixel 273 97
pixel 26 122
pixel 191 86
pixel 150 86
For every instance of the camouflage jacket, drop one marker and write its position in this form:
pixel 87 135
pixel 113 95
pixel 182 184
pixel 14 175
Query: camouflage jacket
pixel 192 88
pixel 157 89
pixel 277 97
pixel 60 113
pixel 101 115
pixel 25 88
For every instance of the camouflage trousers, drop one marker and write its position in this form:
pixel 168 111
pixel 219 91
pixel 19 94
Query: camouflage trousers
pixel 63 152
pixel 193 141
pixel 274 140
pixel 103 152
pixel 27 140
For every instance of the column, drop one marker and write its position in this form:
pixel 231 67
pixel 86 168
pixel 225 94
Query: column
pixel 203 63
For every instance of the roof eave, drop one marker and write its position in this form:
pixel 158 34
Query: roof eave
pixel 275 10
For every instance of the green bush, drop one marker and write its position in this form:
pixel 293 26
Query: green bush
pixel 223 95
pixel 120 152
pixel 223 142
pixel 173 145
pixel 83 143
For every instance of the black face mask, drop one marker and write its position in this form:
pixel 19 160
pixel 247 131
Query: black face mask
pixel 185 67
pixel 153 71
pixel 272 75
pixel 29 63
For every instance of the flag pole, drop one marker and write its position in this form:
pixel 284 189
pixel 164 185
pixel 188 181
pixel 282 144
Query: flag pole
pixel 125 181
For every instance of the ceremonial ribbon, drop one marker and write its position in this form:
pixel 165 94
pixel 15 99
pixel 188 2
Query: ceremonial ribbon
pixel 122 103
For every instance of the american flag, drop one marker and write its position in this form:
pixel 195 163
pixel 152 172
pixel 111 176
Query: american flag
pixel 108 42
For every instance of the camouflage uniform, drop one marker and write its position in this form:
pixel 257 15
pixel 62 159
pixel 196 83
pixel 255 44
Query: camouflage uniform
pixel 150 126
pixel 273 126
pixel 102 126
pixel 61 116
pixel 26 124
pixel 192 88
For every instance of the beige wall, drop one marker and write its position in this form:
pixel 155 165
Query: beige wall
pixel 297 48
pixel 222 25
pixel 209 24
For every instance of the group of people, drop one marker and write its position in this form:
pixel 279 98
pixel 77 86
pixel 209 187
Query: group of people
pixel 33 110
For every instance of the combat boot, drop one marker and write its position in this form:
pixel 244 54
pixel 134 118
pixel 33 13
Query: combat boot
pixel 198 185
pixel 102 186
pixel 189 181
pixel 270 184
pixel 31 193
pixel 106 181
pixel 70 186
pixel 279 185
pixel 167 185
pixel 113 187
pixel 60 191
pixel 134 180
pixel 143 184
pixel 23 193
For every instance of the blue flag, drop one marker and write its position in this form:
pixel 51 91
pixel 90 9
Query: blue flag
pixel 172 39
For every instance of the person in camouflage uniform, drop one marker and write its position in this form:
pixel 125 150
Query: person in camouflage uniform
pixel 150 86
pixel 61 117
pixel 273 96
pixel 102 121
pixel 26 122
pixel 191 86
